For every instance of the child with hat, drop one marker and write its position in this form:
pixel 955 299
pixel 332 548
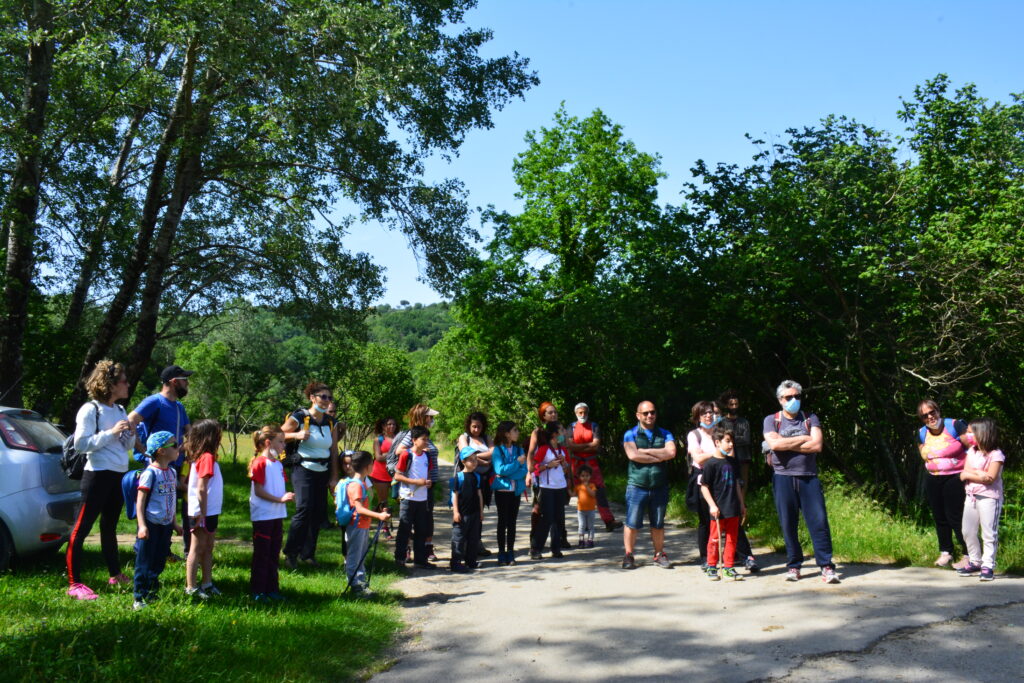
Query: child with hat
pixel 467 512
pixel 156 504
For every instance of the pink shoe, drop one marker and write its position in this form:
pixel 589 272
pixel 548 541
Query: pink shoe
pixel 79 591
pixel 118 580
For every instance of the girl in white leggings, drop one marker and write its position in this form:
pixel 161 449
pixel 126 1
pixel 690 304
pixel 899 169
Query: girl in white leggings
pixel 983 485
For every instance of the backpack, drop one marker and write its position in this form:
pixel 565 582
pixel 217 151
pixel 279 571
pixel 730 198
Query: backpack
pixel 455 485
pixel 949 425
pixel 130 491
pixel 290 458
pixel 71 461
pixel 344 512
pixel 392 455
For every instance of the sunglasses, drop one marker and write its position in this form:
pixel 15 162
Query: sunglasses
pixel 930 414
pixel 648 412
pixel 324 397
pixel 791 397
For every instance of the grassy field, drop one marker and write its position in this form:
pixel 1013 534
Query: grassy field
pixel 863 530
pixel 317 634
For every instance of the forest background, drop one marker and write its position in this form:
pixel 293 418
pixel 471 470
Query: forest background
pixel 167 173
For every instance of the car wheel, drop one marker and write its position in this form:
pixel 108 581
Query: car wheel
pixel 6 548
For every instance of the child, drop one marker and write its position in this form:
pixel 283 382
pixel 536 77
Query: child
pixel 205 494
pixel 467 513
pixel 721 489
pixel 346 473
pixel 586 506
pixel 156 506
pixel 267 510
pixel 509 463
pixel 549 472
pixel 413 475
pixel 983 477
pixel 358 530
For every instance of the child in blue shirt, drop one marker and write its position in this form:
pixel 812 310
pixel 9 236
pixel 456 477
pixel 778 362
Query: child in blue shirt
pixel 156 504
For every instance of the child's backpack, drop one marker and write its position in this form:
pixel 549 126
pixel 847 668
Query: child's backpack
pixel 392 455
pixel 130 491
pixel 344 512
pixel 455 485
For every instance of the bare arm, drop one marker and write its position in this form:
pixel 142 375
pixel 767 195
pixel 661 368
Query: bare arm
pixel 140 514
pixel 660 454
pixel 787 443
pixel 985 476
pixel 813 444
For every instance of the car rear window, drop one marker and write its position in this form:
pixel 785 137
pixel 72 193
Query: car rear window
pixel 30 433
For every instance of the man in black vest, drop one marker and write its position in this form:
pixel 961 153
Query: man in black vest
pixel 648 448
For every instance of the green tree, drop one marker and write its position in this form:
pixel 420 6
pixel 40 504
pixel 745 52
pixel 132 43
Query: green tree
pixel 377 383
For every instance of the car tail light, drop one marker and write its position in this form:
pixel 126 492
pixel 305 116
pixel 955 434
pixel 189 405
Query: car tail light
pixel 46 538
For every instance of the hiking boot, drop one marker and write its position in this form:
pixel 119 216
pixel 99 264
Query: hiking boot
pixel 732 574
pixel 828 575
pixel 79 591
pixel 793 574
pixel 712 573
pixel 751 565
pixel 661 559
pixel 612 525
pixel 987 574
pixel 118 580
pixel 944 559
pixel 629 562
pixel 969 570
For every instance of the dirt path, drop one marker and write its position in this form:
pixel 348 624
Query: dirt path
pixel 584 618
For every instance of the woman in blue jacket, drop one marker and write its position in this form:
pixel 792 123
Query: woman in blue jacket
pixel 509 463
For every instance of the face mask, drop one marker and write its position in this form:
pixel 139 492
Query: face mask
pixel 430 425
pixel 273 452
pixel 970 439
pixel 723 452
pixel 318 409
pixel 714 421
pixel 792 405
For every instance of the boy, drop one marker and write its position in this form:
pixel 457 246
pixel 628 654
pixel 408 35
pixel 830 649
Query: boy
pixel 155 504
pixel 413 475
pixel 467 513
pixel 721 489
pixel 357 533
pixel 586 506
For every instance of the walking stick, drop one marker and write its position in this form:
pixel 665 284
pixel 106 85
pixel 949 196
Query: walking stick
pixel 372 546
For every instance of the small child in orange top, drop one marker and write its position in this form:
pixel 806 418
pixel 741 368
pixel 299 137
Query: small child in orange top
pixel 586 507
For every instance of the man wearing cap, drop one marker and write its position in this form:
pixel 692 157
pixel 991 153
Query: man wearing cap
pixel 163 412
pixel 584 450
pixel 648 448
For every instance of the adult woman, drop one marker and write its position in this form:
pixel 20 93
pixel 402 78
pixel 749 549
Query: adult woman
pixel 700 446
pixel 548 414
pixel 474 435
pixel 316 472
pixel 384 431
pixel 422 415
pixel 942 444
pixel 103 432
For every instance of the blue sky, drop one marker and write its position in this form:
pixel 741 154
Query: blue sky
pixel 686 80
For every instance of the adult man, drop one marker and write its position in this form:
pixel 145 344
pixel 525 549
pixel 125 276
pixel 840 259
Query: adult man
pixel 795 440
pixel 648 448
pixel 163 412
pixel 584 450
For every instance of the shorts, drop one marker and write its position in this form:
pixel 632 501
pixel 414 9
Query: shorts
pixel 652 501
pixel 210 524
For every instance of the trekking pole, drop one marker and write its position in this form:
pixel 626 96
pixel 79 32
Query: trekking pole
pixel 372 546
pixel 721 541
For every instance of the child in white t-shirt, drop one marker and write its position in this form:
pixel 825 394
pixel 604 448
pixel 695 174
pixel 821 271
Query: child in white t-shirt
pixel 205 496
pixel 267 510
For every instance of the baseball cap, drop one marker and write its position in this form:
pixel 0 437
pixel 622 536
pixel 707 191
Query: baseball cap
pixel 172 371
pixel 466 452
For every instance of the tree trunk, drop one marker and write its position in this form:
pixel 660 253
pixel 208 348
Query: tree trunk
pixel 23 203
pixel 133 270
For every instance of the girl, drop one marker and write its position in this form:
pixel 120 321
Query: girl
pixel 346 473
pixel 384 430
pixel 509 463
pixel 549 473
pixel 983 477
pixel 267 510
pixel 103 432
pixel 548 414
pixel 205 494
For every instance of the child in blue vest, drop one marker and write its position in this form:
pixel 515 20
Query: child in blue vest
pixel 357 533
pixel 156 504
pixel 467 513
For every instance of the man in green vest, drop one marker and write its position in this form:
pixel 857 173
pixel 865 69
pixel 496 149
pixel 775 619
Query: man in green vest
pixel 648 448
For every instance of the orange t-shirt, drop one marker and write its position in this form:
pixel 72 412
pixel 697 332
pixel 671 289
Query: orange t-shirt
pixel 585 499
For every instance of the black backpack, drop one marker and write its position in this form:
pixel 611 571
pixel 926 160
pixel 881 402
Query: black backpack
pixel 71 461
pixel 392 455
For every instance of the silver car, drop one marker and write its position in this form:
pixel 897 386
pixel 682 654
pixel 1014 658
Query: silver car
pixel 38 503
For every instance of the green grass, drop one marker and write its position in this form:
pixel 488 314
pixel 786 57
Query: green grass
pixel 317 634
pixel 863 530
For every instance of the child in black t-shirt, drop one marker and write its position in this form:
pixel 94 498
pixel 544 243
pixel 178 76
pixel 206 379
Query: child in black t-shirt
pixel 467 513
pixel 721 489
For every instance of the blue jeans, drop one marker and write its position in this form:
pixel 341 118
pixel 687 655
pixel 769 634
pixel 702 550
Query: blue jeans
pixel 150 558
pixel 639 500
pixel 793 494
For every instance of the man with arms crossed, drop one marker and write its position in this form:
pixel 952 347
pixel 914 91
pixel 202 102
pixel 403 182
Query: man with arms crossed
pixel 648 448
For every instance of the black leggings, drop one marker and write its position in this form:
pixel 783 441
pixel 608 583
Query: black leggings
pixel 946 498
pixel 101 497
pixel 310 510
pixel 508 511
pixel 552 519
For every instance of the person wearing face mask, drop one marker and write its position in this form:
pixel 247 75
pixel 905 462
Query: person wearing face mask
pixel 164 412
pixel 422 415
pixel 700 446
pixel 943 446
pixel 314 476
pixel 795 439
pixel 584 448
pixel 742 455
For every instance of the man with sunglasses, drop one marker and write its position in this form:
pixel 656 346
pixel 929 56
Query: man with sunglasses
pixel 795 440
pixel 648 448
